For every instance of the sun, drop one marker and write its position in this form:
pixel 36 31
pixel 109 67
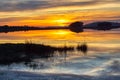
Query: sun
pixel 61 22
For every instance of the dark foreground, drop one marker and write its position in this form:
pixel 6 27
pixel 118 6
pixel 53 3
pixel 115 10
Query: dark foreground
pixel 17 53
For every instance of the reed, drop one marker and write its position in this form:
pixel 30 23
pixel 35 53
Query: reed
pixel 16 53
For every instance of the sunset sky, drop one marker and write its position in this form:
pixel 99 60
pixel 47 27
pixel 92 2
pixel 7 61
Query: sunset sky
pixel 57 12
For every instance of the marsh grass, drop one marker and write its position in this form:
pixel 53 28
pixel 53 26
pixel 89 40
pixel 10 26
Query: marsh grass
pixel 26 52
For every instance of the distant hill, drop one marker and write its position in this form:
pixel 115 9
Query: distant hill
pixel 102 25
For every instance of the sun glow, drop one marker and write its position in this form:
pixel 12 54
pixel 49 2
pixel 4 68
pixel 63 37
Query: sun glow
pixel 61 22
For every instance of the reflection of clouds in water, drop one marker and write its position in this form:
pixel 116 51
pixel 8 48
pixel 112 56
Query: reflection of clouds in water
pixel 110 65
pixel 111 68
pixel 105 48
pixel 115 66
pixel 95 65
pixel 10 37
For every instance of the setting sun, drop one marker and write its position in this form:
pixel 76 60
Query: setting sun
pixel 61 22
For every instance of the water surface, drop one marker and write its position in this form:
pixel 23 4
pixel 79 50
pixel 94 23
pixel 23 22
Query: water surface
pixel 102 56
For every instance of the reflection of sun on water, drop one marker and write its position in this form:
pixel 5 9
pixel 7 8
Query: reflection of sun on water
pixel 62 35
pixel 61 32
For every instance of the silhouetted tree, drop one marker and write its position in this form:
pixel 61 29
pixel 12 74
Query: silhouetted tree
pixel 5 26
pixel 76 27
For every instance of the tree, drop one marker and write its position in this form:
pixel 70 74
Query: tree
pixel 76 27
pixel 5 26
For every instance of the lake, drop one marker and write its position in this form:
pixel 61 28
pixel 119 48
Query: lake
pixel 102 58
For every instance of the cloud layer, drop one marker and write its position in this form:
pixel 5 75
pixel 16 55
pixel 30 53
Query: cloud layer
pixel 23 5
pixel 40 12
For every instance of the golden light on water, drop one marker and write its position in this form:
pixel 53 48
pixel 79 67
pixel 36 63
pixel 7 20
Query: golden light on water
pixel 45 36
pixel 62 32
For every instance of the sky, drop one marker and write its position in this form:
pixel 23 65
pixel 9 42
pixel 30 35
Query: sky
pixel 57 12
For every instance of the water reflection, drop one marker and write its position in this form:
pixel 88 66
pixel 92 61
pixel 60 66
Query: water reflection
pixel 61 53
pixel 83 47
pixel 58 37
pixel 71 48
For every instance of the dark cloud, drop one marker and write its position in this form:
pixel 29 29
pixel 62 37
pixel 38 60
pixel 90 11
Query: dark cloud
pixel 21 6
pixel 10 19
pixel 111 17
pixel 6 5
pixel 98 17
